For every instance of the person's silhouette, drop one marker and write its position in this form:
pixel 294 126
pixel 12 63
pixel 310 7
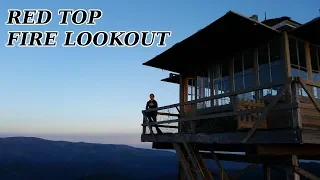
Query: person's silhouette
pixel 152 115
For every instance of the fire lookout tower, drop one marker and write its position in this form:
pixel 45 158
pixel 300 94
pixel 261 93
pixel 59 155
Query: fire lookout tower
pixel 245 86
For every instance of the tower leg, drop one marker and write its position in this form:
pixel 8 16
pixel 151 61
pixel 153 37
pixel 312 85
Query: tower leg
pixel 291 174
pixel 295 162
pixel 223 174
pixel 181 175
pixel 267 174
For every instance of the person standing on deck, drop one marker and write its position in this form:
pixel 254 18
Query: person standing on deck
pixel 152 115
pixel 151 104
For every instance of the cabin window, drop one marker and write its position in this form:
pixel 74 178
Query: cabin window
pixel 225 77
pixel 316 92
pixel 315 58
pixel 270 65
pixel 191 89
pixel 248 72
pixel 314 51
pixel 298 61
pixel 298 58
pixel 203 89
pixel 238 73
pixel 276 63
pixel 264 68
pixel 225 81
pixel 248 62
pixel 221 83
pixel 243 73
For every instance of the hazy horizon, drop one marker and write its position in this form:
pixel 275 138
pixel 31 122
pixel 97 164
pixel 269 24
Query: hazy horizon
pixel 131 139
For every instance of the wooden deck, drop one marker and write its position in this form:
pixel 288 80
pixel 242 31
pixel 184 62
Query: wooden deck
pixel 293 120
pixel 261 137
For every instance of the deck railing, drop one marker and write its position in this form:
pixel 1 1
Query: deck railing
pixel 173 118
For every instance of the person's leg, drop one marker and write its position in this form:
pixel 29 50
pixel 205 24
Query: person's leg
pixel 154 119
pixel 149 116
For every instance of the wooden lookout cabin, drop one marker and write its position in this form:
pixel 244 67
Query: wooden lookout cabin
pixel 246 86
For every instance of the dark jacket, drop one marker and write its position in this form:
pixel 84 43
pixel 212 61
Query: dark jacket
pixel 152 104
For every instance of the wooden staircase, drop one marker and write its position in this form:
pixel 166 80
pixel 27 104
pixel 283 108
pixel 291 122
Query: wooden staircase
pixel 192 162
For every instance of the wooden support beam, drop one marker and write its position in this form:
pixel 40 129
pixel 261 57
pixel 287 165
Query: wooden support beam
pixel 192 158
pixel 254 159
pixel 231 80
pixel 288 150
pixel 261 137
pixel 296 122
pixel 295 163
pixel 267 173
pixel 206 147
pixel 304 151
pixel 144 128
pixel 202 164
pixel 297 170
pixel 258 159
pixel 181 175
pixel 304 86
pixel 181 98
pixel 223 172
pixel 286 54
pixel 267 110
pixel 308 59
pixel 305 173
pixel 310 82
pixel 183 161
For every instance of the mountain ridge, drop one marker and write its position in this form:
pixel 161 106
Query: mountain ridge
pixel 36 159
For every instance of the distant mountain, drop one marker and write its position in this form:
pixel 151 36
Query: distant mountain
pixel 34 158
pixel 24 158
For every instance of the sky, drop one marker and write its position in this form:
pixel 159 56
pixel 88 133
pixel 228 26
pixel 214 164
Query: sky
pixel 96 94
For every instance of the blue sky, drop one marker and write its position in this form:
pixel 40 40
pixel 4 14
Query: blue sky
pixel 74 93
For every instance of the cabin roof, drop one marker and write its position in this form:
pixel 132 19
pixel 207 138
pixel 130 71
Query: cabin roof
pixel 227 35
pixel 306 31
pixel 309 31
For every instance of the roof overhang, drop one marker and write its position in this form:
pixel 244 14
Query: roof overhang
pixel 176 80
pixel 172 79
pixel 309 31
pixel 229 34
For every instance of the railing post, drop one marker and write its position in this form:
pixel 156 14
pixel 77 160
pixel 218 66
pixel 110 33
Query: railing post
pixel 182 92
pixel 296 117
pixel 144 128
